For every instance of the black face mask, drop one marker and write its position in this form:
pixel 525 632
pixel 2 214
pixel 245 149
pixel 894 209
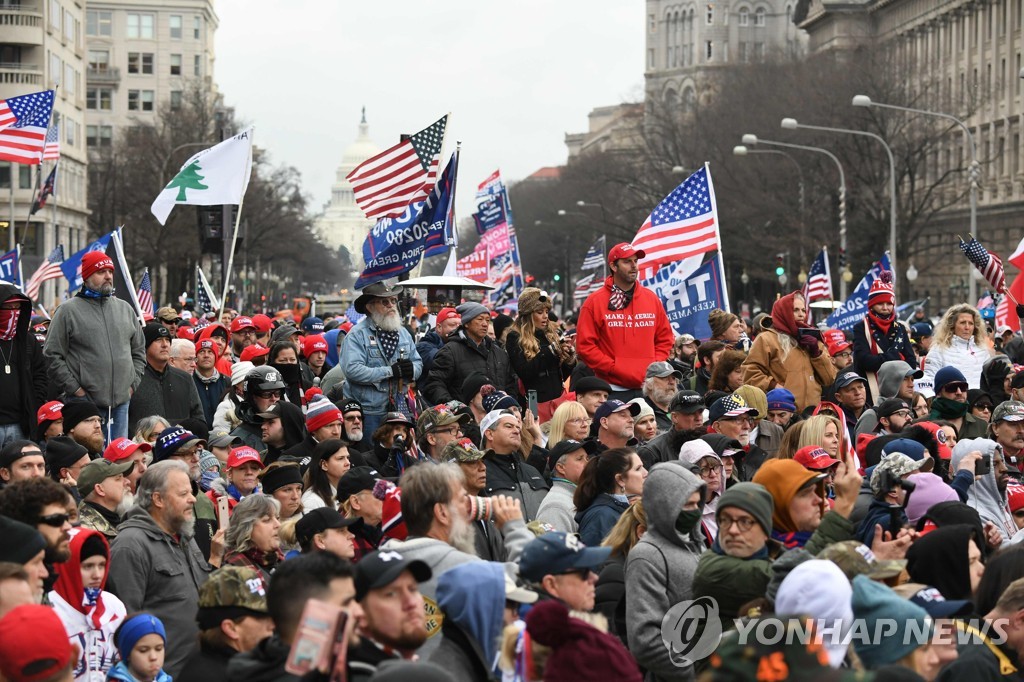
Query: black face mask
pixel 292 374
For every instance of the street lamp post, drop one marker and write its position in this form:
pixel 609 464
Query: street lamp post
pixel 750 140
pixel 972 174
pixel 791 124
pixel 740 150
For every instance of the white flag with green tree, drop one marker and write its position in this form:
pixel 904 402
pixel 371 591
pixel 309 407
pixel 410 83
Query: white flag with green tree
pixel 214 176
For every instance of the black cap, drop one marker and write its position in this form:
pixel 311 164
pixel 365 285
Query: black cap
pixel 564 447
pixel 472 385
pixel 356 480
pixel 319 520
pixel 847 378
pixel 21 542
pixel 382 567
pixel 63 451
pixel 272 412
pixel 279 477
pixel 350 405
pixel 154 331
pixel 12 452
pixel 686 402
pixel 588 384
pixel 887 407
pixel 77 411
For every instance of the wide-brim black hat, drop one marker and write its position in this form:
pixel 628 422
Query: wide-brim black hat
pixel 375 290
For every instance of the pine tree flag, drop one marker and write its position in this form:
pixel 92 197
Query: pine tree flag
pixel 214 176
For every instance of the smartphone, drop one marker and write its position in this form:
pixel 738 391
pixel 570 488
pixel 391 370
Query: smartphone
pixel 531 400
pixel 983 465
pixel 322 638
pixel 223 511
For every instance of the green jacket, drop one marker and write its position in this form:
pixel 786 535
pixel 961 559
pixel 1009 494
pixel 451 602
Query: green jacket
pixel 88 517
pixel 834 528
pixel 732 581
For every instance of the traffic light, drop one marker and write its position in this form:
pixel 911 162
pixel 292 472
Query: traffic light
pixel 780 268
pixel 558 277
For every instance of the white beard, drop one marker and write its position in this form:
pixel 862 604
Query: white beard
pixel 354 435
pixel 127 502
pixel 462 536
pixel 389 321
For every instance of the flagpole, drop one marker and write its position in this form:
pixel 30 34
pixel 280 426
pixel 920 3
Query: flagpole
pixel 31 205
pixel 450 269
pixel 718 238
pixel 21 271
pixel 231 254
pixel 115 237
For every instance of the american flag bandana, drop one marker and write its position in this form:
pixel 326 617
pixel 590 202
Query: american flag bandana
pixel 617 300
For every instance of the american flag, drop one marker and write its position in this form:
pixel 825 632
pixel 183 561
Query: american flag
pixel 50 269
pixel 819 280
pixel 206 300
pixel 145 295
pixel 684 224
pixel 51 148
pixel 49 188
pixel 985 301
pixel 988 264
pixel 23 124
pixel 595 256
pixel 404 174
pixel 587 285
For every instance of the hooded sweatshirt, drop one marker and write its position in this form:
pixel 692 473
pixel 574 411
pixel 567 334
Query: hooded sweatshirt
pixel 24 386
pixel 939 559
pixel 690 454
pixel 660 568
pixel 294 424
pixel 472 598
pixel 984 495
pixel 90 617
pixel 890 379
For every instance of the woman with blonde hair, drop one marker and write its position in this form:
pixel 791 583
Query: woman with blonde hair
pixel 570 420
pixel 541 360
pixel 959 341
pixel 610 591
pixel 823 431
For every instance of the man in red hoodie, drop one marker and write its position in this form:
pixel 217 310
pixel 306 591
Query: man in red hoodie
pixel 623 327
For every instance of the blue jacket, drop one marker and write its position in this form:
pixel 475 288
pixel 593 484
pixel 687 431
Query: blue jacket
pixel 597 520
pixel 878 514
pixel 120 673
pixel 428 347
pixel 368 376
pixel 211 393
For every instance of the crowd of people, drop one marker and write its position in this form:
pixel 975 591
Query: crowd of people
pixel 524 498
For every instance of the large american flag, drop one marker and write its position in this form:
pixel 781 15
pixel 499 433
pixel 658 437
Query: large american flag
pixel 23 124
pixel 51 147
pixel 988 264
pixel 206 300
pixel 48 189
pixel 50 269
pixel 404 174
pixel 587 285
pixel 595 256
pixel 819 280
pixel 145 295
pixel 684 224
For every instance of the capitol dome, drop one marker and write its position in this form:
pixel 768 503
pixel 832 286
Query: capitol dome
pixel 360 150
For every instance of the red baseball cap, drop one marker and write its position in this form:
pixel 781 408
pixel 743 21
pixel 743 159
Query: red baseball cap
pixel 945 451
pixel 50 412
pixel 838 347
pixel 123 448
pixel 254 351
pixel 33 644
pixel 243 455
pixel 1015 497
pixel 624 250
pixel 186 332
pixel 446 314
pixel 346 326
pixel 241 322
pixel 815 458
pixel 312 344
pixel 263 323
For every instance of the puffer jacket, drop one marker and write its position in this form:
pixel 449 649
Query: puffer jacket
pixel 660 569
pixel 597 520
pixel 619 345
pixel 510 475
pixel 368 376
pixel 802 375
pixel 427 347
pixel 459 358
pixel 966 356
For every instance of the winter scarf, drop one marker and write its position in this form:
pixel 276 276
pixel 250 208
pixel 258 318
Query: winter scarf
pixel 882 323
pixel 783 320
pixel 947 408
pixel 791 540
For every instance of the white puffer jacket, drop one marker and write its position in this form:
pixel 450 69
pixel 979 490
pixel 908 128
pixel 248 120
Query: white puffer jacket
pixel 966 356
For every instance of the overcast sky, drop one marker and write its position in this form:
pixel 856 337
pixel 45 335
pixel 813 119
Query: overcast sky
pixel 515 76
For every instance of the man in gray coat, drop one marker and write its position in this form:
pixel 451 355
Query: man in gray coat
pixel 165 390
pixel 155 564
pixel 94 346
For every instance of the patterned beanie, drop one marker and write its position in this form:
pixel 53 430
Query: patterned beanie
pixel 321 412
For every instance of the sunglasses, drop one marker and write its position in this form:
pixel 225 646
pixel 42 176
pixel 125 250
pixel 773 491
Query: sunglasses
pixel 267 395
pixel 955 387
pixel 55 520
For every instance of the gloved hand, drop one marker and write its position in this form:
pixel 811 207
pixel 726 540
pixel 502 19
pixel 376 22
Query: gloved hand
pixel 406 368
pixel 396 370
pixel 810 344
pixel 893 354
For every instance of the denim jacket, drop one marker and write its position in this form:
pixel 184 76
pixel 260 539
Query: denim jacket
pixel 367 372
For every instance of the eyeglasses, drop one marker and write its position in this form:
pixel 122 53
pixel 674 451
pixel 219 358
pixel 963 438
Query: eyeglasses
pixel 581 421
pixel 388 302
pixel 267 395
pixel 581 573
pixel 55 520
pixel 452 431
pixel 844 354
pixel 189 361
pixel 707 471
pixel 955 387
pixel 900 413
pixel 744 524
pixel 986 408
pixel 245 332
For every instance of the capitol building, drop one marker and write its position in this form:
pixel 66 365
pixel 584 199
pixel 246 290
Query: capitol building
pixel 343 222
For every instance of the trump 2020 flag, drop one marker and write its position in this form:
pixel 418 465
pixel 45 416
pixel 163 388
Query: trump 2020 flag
pixel 214 176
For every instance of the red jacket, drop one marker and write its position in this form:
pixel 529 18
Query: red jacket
pixel 619 344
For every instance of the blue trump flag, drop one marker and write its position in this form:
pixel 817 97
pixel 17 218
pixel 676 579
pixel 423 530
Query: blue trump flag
pixel 854 308
pixel 689 294
pixel 72 267
pixel 9 268
pixel 395 245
